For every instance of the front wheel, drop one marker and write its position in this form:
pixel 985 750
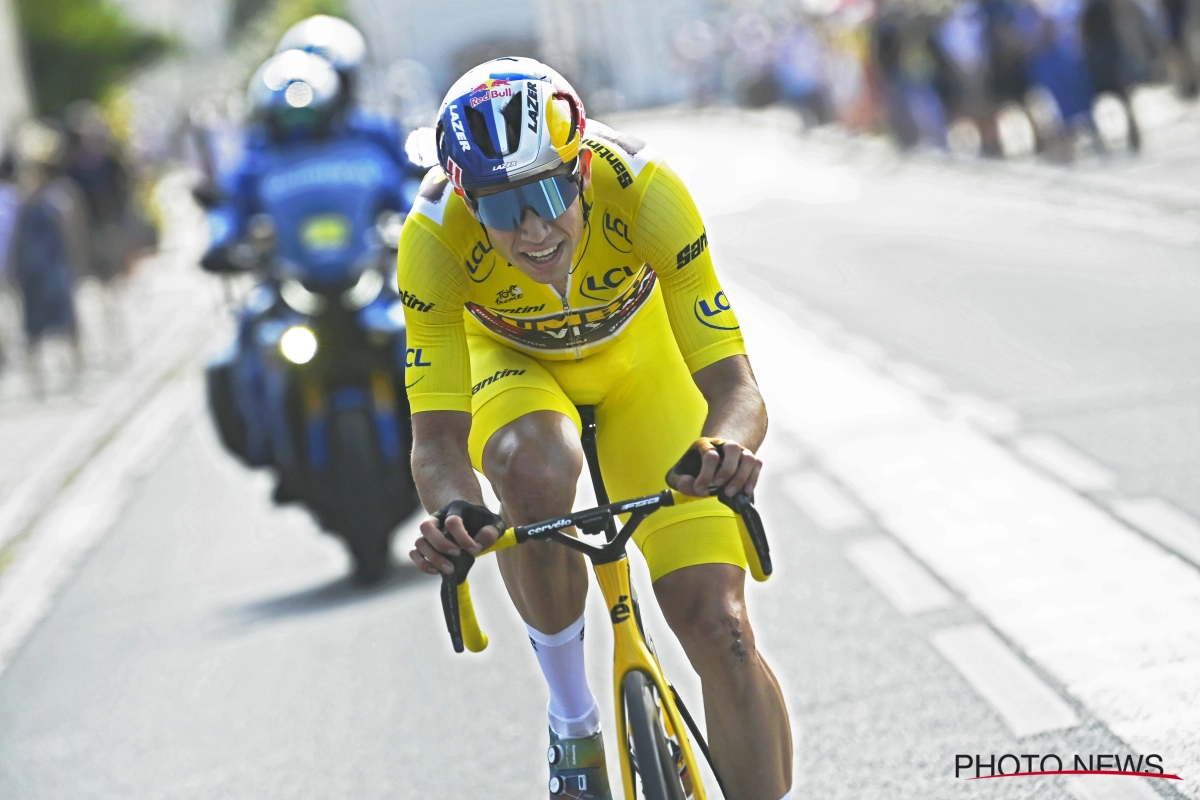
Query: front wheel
pixel 361 500
pixel 653 762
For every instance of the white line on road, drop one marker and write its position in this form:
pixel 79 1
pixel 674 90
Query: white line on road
pixel 990 417
pixel 910 588
pixel 919 379
pixel 1103 787
pixel 822 502
pixel 1163 522
pixel 81 515
pixel 1027 704
pixel 1065 463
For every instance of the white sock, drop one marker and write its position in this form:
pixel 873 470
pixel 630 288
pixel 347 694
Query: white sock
pixel 573 711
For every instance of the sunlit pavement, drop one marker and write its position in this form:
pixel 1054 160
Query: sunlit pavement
pixel 981 491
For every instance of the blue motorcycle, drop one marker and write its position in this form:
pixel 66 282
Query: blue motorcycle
pixel 313 385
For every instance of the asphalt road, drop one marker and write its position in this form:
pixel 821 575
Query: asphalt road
pixel 210 646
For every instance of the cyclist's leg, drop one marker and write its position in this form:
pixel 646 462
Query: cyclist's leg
pixel 748 729
pixel 647 420
pixel 525 439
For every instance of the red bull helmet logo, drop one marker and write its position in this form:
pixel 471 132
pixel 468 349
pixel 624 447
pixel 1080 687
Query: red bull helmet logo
pixel 490 89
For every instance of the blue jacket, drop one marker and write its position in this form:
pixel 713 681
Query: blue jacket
pixel 323 194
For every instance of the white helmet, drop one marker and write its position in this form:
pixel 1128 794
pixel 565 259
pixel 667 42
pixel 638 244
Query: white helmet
pixel 335 40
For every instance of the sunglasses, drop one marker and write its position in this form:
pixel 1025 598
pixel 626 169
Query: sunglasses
pixel 549 198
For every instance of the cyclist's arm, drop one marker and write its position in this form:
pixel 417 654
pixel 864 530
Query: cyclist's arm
pixel 442 471
pixel 437 377
pixel 670 236
pixel 736 414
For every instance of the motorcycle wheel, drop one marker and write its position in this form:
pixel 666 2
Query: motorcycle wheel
pixel 360 496
pixel 222 406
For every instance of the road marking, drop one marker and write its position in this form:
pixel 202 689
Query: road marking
pixel 1065 463
pixel 82 514
pixel 989 417
pixel 1108 614
pixel 1163 522
pixel 1102 787
pixel 1027 705
pixel 863 349
pixel 822 502
pixel 899 578
pixel 919 379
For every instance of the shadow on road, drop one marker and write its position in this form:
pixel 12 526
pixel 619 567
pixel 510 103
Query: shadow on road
pixel 333 595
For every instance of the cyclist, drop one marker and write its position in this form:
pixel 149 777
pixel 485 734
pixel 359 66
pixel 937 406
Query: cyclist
pixel 551 262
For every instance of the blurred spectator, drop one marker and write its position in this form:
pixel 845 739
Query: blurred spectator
pixel 50 242
pixel 9 203
pixel 96 165
pixel 1116 39
pixel 1180 21
pixel 849 54
pixel 800 73
pixel 906 71
pixel 1059 67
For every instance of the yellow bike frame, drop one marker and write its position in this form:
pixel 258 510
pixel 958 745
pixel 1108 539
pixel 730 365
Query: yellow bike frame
pixel 630 653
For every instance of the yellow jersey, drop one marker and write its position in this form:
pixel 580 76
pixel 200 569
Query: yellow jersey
pixel 644 242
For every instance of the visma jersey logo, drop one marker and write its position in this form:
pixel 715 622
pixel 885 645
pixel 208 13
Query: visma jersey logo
pixel 705 310
pixel 473 264
pixel 611 279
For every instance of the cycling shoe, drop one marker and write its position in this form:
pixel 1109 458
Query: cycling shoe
pixel 577 768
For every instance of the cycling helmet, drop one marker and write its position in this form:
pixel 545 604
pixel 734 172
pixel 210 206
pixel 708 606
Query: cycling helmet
pixel 294 92
pixel 335 40
pixel 507 121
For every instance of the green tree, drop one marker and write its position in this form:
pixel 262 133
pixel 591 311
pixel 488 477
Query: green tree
pixel 78 49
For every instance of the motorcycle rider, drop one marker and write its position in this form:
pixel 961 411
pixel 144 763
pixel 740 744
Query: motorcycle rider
pixel 299 118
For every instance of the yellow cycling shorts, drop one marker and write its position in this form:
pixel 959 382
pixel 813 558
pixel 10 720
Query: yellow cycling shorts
pixel 648 411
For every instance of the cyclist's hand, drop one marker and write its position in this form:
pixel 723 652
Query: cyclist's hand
pixel 453 528
pixel 720 463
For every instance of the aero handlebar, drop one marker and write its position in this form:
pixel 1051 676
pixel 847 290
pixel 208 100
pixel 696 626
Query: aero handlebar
pixel 459 609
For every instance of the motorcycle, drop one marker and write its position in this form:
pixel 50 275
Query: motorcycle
pixel 313 385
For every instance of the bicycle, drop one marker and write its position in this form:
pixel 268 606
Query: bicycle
pixel 655 748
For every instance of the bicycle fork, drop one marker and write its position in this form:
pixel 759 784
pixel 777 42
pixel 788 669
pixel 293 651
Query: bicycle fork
pixel 630 652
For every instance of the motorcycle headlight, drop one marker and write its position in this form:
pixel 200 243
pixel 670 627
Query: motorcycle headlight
pixel 298 344
pixel 363 293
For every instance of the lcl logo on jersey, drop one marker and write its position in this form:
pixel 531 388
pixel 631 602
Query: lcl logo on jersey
pixel 611 279
pixel 719 305
pixel 413 358
pixel 616 231
pixel 478 253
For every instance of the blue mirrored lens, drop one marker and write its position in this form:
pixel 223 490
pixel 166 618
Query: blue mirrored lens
pixel 549 198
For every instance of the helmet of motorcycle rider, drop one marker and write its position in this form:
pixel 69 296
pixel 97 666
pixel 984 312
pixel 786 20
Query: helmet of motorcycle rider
pixel 335 40
pixel 512 122
pixel 294 94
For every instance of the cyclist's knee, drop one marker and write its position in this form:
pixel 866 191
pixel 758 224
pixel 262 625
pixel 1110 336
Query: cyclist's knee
pixel 534 463
pixel 705 607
